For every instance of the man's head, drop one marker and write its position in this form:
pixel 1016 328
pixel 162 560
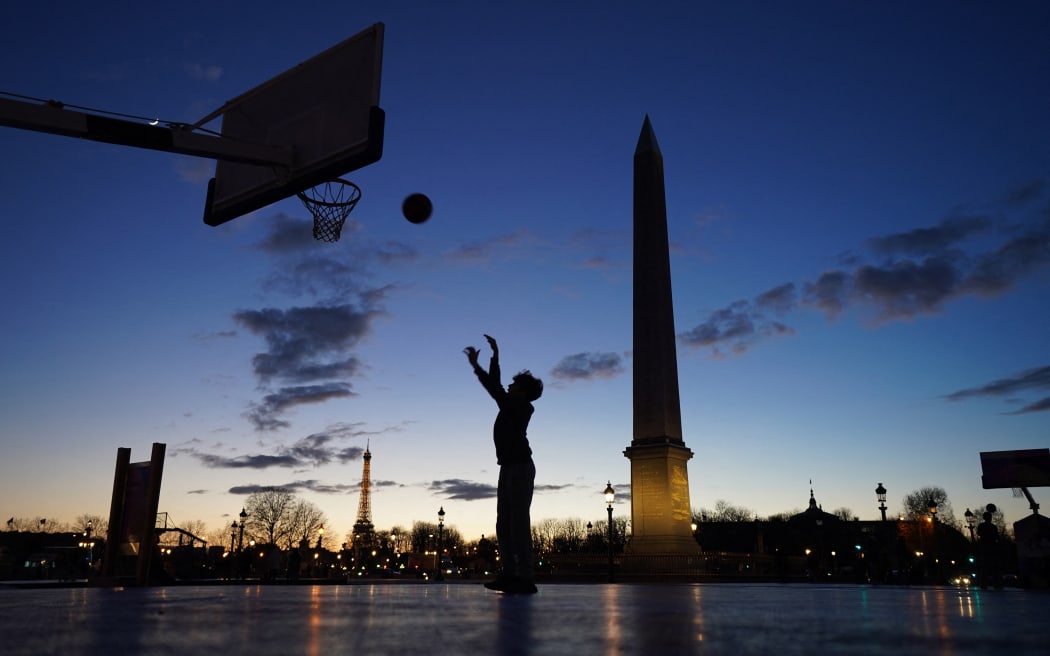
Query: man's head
pixel 527 385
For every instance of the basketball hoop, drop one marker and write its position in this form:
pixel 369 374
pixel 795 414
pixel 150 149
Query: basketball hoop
pixel 330 203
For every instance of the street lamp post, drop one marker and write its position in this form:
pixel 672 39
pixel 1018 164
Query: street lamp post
pixel 971 522
pixel 240 538
pixel 441 531
pixel 935 566
pixel 320 536
pixel 91 545
pixel 880 494
pixel 233 535
pixel 610 496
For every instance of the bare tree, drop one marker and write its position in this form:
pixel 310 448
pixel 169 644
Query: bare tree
pixel 571 534
pixel 423 536
pixel 400 539
pixel 268 511
pixel 845 514
pixel 219 537
pixel 544 533
pixel 451 540
pixel 916 505
pixel 303 521
pixel 727 512
pixel 96 523
pixel 195 527
pixel 36 525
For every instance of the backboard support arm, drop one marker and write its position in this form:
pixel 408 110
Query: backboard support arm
pixel 1031 501
pixel 70 123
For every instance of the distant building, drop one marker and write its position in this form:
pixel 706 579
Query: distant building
pixel 819 546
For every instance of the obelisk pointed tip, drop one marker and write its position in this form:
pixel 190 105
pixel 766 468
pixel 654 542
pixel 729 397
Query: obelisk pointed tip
pixel 647 139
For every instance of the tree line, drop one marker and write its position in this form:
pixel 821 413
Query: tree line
pixel 276 516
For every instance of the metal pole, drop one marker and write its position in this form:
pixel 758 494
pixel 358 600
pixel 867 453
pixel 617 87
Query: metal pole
pixel 610 545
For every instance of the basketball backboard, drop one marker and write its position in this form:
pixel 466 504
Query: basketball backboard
pixel 1020 469
pixel 323 112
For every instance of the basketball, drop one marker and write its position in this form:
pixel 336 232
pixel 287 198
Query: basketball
pixel 417 208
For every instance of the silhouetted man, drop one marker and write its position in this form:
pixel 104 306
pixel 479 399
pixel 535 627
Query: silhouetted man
pixel 988 553
pixel 517 473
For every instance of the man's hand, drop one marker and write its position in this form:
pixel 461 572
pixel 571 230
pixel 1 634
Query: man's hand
pixel 472 355
pixel 492 344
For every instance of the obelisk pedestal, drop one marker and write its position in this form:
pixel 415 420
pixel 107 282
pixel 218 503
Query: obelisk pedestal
pixel 661 515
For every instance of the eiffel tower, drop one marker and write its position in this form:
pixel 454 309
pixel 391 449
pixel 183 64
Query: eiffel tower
pixel 364 533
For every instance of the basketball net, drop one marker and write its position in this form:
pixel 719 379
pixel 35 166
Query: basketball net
pixel 330 203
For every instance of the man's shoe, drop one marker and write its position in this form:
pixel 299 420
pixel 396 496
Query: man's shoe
pixel 501 583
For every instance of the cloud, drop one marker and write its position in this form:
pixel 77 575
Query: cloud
pixel 209 73
pixel 289 234
pixel 218 334
pixel 1026 381
pixel 457 488
pixel 1042 405
pixel 779 299
pixel 314 450
pixel 311 346
pixel 549 487
pixel 463 490
pixel 265 415
pixel 905 275
pixel 304 342
pixel 1026 192
pixel 310 485
pixel 997 271
pixel 480 251
pixel 247 462
pixel 253 488
pixel 393 252
pixel 330 275
pixel 587 366
pixel 829 293
pixel 906 288
pixel 931 240
pixel 741 325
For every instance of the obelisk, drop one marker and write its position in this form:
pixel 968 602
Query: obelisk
pixel 660 507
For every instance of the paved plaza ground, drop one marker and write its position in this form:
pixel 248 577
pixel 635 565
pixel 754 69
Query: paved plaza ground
pixel 571 619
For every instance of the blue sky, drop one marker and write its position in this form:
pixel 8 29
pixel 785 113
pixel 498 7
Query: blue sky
pixel 859 213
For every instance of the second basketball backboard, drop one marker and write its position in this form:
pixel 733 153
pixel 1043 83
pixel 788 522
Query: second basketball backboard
pixel 1015 469
pixel 322 114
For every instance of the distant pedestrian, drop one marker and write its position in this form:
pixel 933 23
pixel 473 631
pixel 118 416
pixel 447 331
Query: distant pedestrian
pixel 988 553
pixel 517 473
pixel 295 560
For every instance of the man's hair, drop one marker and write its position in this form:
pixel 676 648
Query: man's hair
pixel 532 386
